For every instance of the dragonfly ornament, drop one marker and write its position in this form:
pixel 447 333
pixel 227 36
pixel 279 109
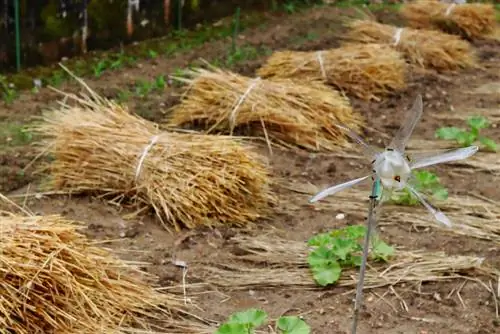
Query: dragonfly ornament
pixel 392 171
pixel 392 168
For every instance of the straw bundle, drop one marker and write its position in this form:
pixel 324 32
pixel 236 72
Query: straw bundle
pixel 54 280
pixel 473 20
pixel 282 111
pixel 367 71
pixel 424 48
pixel 188 179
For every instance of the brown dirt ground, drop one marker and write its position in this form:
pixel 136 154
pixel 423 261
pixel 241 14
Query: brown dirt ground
pixel 326 310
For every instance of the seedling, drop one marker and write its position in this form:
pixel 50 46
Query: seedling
pixel 470 136
pixel 152 54
pixel 7 90
pixel 246 322
pixel 425 182
pixel 340 249
pixel 100 67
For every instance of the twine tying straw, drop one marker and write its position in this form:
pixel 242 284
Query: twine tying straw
pixel 232 116
pixel 449 9
pixel 397 36
pixel 153 140
pixel 320 61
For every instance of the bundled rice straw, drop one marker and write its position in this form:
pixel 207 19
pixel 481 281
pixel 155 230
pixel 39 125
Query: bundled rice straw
pixel 424 48
pixel 286 266
pixel 283 112
pixel 473 20
pixel 367 71
pixel 188 179
pixel 54 280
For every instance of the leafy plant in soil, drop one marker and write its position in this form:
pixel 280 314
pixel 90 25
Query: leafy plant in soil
pixel 468 137
pixel 246 322
pixel 425 182
pixel 339 249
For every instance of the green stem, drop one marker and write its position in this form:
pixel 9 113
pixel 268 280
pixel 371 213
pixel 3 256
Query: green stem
pixel 18 35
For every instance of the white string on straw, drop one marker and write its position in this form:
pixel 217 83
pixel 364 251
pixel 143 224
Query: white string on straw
pixel 232 116
pixel 153 140
pixel 449 9
pixel 319 56
pixel 397 36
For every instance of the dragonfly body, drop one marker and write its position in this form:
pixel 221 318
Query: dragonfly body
pixel 393 169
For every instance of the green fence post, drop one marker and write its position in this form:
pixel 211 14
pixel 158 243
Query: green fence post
pixel 18 35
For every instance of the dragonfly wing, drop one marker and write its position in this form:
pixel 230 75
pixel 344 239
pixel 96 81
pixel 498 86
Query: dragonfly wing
pixel 410 120
pixel 335 189
pixel 368 150
pixel 459 154
pixel 438 215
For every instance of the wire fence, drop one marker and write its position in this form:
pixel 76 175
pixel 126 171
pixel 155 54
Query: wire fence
pixel 44 31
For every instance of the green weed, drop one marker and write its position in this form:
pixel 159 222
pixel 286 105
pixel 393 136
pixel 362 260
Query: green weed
pixel 425 182
pixel 7 90
pixel 339 249
pixel 470 136
pixel 246 322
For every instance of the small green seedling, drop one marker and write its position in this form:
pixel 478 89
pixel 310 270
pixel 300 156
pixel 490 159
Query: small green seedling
pixel 246 322
pixel 7 91
pixel 425 182
pixel 468 137
pixel 339 249
pixel 100 67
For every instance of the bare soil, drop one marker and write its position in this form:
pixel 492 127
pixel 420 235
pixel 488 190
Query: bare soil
pixel 431 307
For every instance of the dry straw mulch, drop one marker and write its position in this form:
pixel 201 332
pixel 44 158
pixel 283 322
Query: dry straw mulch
pixel 187 179
pixel 472 20
pixel 367 71
pixel 282 112
pixel 473 216
pixel 286 267
pixel 424 48
pixel 54 280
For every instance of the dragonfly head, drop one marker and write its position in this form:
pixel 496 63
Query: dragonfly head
pixel 392 168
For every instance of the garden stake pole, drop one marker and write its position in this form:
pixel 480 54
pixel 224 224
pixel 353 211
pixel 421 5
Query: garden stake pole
pixel 366 246
pixel 18 35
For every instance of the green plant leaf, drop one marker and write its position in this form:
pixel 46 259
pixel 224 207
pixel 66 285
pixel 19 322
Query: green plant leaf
pixel 382 251
pixel 478 122
pixel 355 231
pixel 465 138
pixel 426 178
pixel 321 239
pixel 233 328
pixel 489 143
pixel 293 325
pixel 320 257
pixel 448 133
pixel 328 274
pixel 342 248
pixel 440 194
pixel 251 317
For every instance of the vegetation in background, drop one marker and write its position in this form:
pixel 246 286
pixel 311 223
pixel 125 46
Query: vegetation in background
pixel 467 137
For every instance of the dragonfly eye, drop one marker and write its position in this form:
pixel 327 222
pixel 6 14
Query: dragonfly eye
pixel 397 178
